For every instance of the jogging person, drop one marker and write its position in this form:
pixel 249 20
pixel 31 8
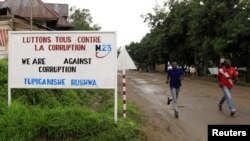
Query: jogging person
pixel 174 77
pixel 226 75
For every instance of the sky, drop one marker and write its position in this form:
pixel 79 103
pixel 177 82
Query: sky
pixel 122 16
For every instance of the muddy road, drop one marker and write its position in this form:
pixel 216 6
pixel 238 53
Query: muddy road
pixel 197 105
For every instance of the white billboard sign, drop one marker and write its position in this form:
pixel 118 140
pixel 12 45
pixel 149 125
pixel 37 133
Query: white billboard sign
pixel 74 59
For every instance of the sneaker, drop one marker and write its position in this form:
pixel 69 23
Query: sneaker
pixel 169 100
pixel 176 114
pixel 220 107
pixel 232 113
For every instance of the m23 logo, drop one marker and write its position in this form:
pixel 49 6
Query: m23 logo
pixel 102 50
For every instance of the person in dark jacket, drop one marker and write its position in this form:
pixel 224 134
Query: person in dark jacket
pixel 174 77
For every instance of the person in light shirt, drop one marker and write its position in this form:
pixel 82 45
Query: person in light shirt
pixel 192 71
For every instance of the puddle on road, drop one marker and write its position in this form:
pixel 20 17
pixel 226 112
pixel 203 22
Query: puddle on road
pixel 151 89
pixel 146 87
pixel 139 81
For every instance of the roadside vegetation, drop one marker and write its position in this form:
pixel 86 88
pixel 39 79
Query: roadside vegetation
pixel 64 114
pixel 196 32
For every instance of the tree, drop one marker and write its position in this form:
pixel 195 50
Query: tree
pixel 81 19
pixel 198 31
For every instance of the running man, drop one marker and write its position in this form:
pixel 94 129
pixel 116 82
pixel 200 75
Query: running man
pixel 174 77
pixel 226 75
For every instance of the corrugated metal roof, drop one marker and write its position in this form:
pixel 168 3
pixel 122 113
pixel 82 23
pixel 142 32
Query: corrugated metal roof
pixel 22 8
pixel 61 9
pixel 62 22
pixel 40 11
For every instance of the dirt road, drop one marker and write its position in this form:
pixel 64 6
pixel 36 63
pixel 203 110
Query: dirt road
pixel 197 106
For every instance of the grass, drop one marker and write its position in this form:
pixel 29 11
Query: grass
pixel 64 115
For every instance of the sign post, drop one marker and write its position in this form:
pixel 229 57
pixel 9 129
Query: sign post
pixel 124 62
pixel 58 60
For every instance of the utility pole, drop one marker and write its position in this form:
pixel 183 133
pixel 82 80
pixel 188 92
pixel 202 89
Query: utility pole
pixel 31 14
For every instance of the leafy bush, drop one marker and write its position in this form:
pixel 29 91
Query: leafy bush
pixel 3 79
